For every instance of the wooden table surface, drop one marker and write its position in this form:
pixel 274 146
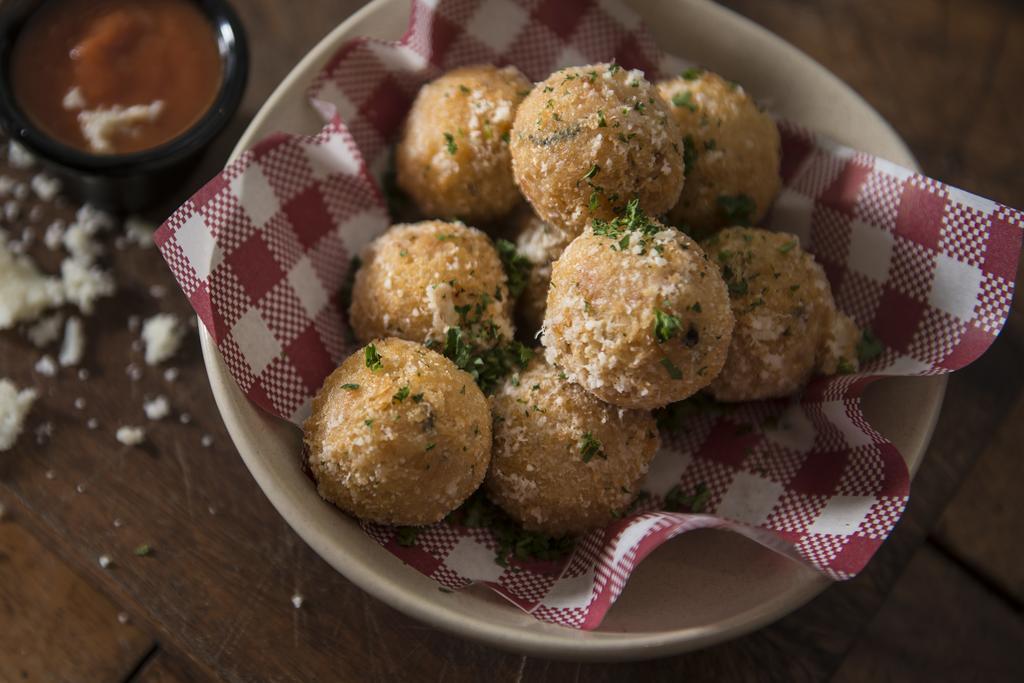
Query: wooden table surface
pixel 941 600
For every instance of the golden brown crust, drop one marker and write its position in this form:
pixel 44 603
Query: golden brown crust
pixel 732 146
pixel 453 157
pixel 590 138
pixel 404 444
pixel 565 462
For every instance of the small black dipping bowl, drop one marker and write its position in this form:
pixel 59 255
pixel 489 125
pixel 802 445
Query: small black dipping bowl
pixel 126 183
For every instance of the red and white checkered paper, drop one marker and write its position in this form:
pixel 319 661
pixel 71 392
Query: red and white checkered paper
pixel 262 252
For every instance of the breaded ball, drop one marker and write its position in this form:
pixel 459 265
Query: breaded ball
pixel 731 152
pixel 636 314
pixel 565 462
pixel 838 353
pixel 398 435
pixel 417 280
pixel 540 243
pixel 589 139
pixel 784 310
pixel 453 157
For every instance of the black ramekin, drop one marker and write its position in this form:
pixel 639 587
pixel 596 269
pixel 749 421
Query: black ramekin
pixel 126 183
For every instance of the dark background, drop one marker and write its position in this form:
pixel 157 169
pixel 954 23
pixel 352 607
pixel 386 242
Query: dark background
pixel 941 600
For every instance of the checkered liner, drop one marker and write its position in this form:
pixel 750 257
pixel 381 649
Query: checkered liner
pixel 263 249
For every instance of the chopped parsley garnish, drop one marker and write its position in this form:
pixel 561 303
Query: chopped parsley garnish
pixel 368 423
pixel 401 394
pixel 487 366
pixel 406 535
pixel 696 307
pixel 689 154
pixel 417 398
pixel 613 68
pixel 684 99
pixel 591 173
pixel 593 201
pixel 787 247
pixel 349 386
pixel 737 209
pixel 844 367
pixel 373 359
pixel 506 136
pixel 869 347
pixel 673 371
pixel 445 236
pixel 692 74
pixel 431 446
pixel 633 220
pixel 666 326
pixel 464 89
pixel 589 447
pixel 514 542
pixel 601 122
pixel 143 550
pixel 696 502
pixel 449 143
pixel 517 266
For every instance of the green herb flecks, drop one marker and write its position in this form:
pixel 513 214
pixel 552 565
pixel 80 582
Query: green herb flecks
pixel 666 326
pixel 689 154
pixel 373 359
pixel 517 266
pixel 514 542
pixel 591 173
pixel 736 209
pixel 696 502
pixel 449 143
pixel 692 74
pixel 405 536
pixel 401 394
pixel 632 220
pixel 349 386
pixel 787 247
pixel 487 366
pixel 684 99
pixel 589 447
pixel 670 367
pixel 869 347
pixel 143 550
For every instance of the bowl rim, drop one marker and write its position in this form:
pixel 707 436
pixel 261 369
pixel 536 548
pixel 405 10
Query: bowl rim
pixel 572 644
pixel 233 46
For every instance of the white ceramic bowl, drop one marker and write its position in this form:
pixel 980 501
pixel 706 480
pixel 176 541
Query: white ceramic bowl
pixel 699 589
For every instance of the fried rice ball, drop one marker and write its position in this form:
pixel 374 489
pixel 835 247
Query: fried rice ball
pixel 636 314
pixel 784 313
pixel 453 156
pixel 589 139
pixel 564 462
pixel 398 435
pixel 731 151
pixel 416 280
pixel 539 243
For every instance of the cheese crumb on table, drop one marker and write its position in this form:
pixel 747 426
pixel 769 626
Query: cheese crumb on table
pixel 73 346
pixel 157 409
pixel 131 436
pixel 46 187
pixel 105 561
pixel 139 231
pixel 297 601
pixel 18 156
pixel 162 336
pixel 46 330
pixel 84 284
pixel 14 408
pixel 24 292
pixel 46 366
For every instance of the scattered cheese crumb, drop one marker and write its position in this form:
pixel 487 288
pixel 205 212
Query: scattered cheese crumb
pixel 46 330
pixel 101 125
pixel 157 409
pixel 139 231
pixel 14 408
pixel 73 99
pixel 79 403
pixel 46 187
pixel 50 474
pixel 54 235
pixel 83 374
pixel 134 372
pixel 184 418
pixel 206 441
pixel 92 423
pixel 46 366
pixel 83 284
pixel 18 156
pixel 297 601
pixel 171 374
pixel 105 561
pixel 24 292
pixel 44 432
pixel 131 436
pixel 162 335
pixel 122 617
pixel 73 346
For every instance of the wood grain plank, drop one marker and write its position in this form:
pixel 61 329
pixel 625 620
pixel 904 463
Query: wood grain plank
pixel 938 625
pixel 171 667
pixel 982 523
pixel 54 625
